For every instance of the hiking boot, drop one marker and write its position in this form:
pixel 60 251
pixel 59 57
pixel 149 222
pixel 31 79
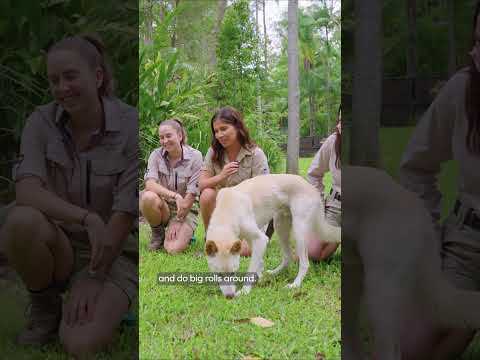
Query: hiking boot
pixel 45 312
pixel 158 237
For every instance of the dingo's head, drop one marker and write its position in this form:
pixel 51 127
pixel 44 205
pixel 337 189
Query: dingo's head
pixel 224 256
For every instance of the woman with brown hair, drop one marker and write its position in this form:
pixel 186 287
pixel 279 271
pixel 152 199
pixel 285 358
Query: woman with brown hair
pixel 327 159
pixel 450 130
pixel 73 227
pixel 232 158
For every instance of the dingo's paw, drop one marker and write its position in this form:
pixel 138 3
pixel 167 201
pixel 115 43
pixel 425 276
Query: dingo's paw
pixel 243 291
pixel 292 286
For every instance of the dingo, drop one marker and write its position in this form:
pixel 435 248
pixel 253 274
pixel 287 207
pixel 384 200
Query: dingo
pixel 241 211
pixel 391 258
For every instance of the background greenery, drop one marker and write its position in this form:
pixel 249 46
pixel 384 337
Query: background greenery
pixel 178 40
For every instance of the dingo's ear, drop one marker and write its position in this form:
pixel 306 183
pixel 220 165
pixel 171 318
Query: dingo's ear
pixel 210 248
pixel 235 249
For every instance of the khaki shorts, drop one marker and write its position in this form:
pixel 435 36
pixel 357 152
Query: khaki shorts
pixel 124 270
pixel 191 219
pixel 461 253
pixel 333 210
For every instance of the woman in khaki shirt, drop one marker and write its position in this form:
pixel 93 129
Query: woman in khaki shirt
pixel 449 130
pixel 327 159
pixel 73 227
pixel 171 187
pixel 232 158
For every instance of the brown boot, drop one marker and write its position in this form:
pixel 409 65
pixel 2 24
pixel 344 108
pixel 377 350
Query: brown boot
pixel 44 318
pixel 158 237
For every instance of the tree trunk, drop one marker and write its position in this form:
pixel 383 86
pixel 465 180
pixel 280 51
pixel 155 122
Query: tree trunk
pixel 311 103
pixel 367 83
pixel 257 64
pixel 452 60
pixel 327 75
pixel 293 145
pixel 221 6
pixel 148 38
pixel 174 33
pixel 265 40
pixel 412 55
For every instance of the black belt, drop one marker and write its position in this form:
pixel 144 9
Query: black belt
pixel 337 195
pixel 471 218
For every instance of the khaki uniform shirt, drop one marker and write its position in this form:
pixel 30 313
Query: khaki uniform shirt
pixel 183 178
pixel 251 163
pixel 323 162
pixel 440 136
pixel 103 178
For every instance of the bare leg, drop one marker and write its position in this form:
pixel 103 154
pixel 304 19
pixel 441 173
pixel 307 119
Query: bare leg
pixel 154 209
pixel 207 205
pixel 181 241
pixel 85 340
pixel 36 249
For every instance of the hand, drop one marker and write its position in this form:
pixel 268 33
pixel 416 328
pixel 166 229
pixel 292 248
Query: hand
pixel 173 231
pixel 475 54
pixel 183 207
pixel 229 169
pixel 80 307
pixel 97 232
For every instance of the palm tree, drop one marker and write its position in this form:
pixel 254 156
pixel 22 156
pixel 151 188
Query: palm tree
pixel 293 144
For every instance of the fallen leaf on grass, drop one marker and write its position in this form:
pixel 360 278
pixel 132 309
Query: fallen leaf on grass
pixel 240 321
pixel 320 356
pixel 249 357
pixel 259 321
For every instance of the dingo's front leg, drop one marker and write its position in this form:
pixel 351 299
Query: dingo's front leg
pixel 259 245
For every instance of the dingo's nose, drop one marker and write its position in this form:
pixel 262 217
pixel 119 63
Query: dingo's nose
pixel 230 296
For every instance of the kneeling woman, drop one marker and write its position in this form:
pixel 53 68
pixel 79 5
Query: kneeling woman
pixel 232 158
pixel 327 159
pixel 171 186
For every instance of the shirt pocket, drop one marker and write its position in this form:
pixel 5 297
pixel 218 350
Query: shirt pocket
pixel 103 176
pixel 181 179
pixel 59 169
pixel 245 169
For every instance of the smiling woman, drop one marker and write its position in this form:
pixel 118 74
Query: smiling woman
pixel 73 226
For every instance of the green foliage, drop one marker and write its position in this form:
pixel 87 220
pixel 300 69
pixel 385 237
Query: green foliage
pixel 237 54
pixel 27 32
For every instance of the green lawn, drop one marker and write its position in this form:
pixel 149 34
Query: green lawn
pixel 13 301
pixel 197 322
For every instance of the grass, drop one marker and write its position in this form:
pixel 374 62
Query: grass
pixel 13 303
pixel 197 322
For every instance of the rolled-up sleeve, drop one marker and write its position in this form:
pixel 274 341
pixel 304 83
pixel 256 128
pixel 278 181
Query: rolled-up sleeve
pixel 429 146
pixel 126 193
pixel 33 148
pixel 152 166
pixel 197 163
pixel 320 164
pixel 259 163
pixel 208 163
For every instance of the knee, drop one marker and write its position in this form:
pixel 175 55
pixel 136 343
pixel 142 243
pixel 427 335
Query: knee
pixel 80 344
pixel 207 197
pixel 149 199
pixel 23 225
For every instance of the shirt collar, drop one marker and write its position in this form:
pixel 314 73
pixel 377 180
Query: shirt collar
pixel 186 153
pixel 241 154
pixel 110 111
